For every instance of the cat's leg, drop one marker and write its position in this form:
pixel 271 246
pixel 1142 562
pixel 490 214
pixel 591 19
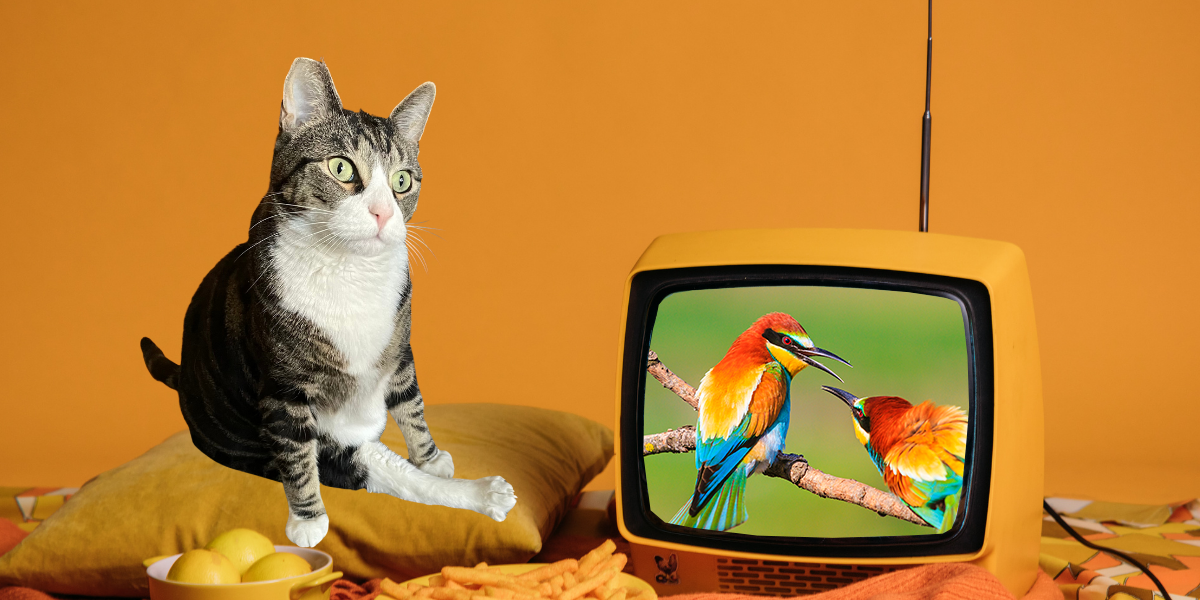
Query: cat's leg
pixel 407 408
pixel 290 428
pixel 389 473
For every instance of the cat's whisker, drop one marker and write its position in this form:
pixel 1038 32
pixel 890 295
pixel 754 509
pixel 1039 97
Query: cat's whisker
pixel 414 250
pixel 265 219
pixel 328 231
pixel 274 235
pixel 302 208
pixel 417 237
pixel 265 271
pixel 326 243
pixel 431 230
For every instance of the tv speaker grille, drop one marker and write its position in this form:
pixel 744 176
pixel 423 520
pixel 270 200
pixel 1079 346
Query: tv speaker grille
pixel 780 578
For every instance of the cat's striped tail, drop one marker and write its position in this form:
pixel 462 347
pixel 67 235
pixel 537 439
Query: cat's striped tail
pixel 161 367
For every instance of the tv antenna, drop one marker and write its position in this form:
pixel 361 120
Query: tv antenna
pixel 925 129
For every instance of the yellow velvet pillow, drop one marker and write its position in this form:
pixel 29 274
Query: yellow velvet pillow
pixel 173 498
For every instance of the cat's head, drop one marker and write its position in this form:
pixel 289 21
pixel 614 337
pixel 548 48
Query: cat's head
pixel 348 180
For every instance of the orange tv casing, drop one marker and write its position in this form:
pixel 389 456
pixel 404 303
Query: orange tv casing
pixel 1014 501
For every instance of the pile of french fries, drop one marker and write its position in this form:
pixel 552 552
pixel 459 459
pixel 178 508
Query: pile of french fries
pixel 592 577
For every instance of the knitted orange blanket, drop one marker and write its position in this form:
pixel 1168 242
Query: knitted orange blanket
pixel 935 582
pixel 944 581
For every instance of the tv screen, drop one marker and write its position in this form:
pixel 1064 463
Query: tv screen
pixel 769 350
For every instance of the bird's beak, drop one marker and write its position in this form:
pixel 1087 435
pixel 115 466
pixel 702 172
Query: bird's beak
pixel 845 396
pixel 806 354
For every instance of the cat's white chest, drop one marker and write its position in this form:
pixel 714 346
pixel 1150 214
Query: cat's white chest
pixel 352 299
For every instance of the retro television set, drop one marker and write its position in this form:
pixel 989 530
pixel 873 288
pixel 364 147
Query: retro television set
pixel 921 316
pixel 790 472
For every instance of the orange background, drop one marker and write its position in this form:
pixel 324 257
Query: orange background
pixel 136 141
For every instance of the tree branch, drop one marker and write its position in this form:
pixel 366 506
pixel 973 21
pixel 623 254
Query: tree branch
pixel 672 381
pixel 795 469
pixel 678 441
pixel 791 467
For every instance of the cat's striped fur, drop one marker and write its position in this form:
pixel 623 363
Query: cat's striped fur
pixel 296 345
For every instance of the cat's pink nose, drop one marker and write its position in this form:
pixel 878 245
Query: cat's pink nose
pixel 382 212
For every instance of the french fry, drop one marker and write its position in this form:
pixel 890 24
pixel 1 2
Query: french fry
pixel 594 576
pixel 495 592
pixel 584 587
pixel 551 570
pixel 556 585
pixel 464 575
pixel 596 556
pixel 394 589
pixel 616 561
pixel 444 593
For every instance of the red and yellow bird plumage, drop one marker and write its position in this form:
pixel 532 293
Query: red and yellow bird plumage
pixel 919 450
pixel 744 414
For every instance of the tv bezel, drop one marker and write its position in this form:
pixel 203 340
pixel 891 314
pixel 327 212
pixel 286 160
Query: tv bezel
pixel 649 288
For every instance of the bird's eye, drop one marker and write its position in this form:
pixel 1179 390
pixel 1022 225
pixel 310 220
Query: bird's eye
pixel 401 181
pixel 787 341
pixel 341 169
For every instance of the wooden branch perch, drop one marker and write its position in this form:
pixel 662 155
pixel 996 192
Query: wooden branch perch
pixel 672 381
pixel 791 467
pixel 677 441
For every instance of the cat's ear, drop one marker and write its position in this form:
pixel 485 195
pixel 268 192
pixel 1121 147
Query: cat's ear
pixel 308 93
pixel 410 115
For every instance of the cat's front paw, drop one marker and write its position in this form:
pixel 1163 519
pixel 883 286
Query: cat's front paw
pixel 441 465
pixel 496 497
pixel 306 533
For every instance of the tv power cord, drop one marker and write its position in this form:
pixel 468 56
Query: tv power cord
pixel 1125 557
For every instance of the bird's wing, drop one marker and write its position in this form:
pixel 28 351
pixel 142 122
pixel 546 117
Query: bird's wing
pixel 719 453
pixel 932 452
pixel 725 393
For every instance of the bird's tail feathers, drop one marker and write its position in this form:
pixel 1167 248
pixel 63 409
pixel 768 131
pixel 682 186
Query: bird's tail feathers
pixel 941 513
pixel 723 512
pixel 950 515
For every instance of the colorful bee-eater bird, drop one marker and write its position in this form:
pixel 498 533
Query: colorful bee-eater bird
pixel 919 451
pixel 744 413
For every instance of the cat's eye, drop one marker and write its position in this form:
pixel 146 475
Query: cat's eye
pixel 401 181
pixel 341 169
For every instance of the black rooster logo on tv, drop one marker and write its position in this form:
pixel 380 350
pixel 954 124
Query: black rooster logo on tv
pixel 667 569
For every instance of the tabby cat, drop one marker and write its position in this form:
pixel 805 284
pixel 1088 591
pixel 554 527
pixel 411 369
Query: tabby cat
pixel 296 345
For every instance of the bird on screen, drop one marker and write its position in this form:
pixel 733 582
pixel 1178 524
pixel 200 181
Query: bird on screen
pixel 919 450
pixel 744 415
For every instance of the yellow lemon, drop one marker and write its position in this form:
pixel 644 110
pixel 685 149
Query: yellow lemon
pixel 242 546
pixel 276 566
pixel 203 566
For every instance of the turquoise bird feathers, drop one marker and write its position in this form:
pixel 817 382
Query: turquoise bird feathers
pixel 744 413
